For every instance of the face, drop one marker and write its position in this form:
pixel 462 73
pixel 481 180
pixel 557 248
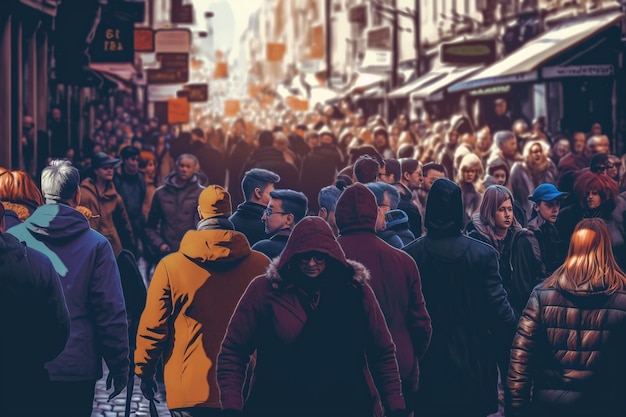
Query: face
pixel 239 129
pixel 415 179
pixel 484 141
pixel 384 176
pixel 314 141
pixel 593 200
pixel 433 174
pixel 383 208
pixel 150 167
pixel 500 108
pixel 579 141
pixel 469 175
pixel 131 165
pixel 561 148
pixel 509 148
pixel 380 140
pixel 596 129
pixel 56 114
pixel 548 210
pixel 601 145
pixel 536 153
pixel 312 264
pixel 613 166
pixel 504 215
pixel 185 168
pixel 105 173
pixel 499 176
pixel 274 217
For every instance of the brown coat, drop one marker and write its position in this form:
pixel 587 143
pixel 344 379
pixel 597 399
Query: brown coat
pixel 108 215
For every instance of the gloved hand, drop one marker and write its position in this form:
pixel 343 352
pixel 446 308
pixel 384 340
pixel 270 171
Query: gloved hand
pixel 231 413
pixel 119 382
pixel 149 388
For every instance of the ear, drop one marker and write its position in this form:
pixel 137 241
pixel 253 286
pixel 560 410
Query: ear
pixel 323 213
pixel 291 220
pixel 406 176
pixel 258 193
pixel 535 207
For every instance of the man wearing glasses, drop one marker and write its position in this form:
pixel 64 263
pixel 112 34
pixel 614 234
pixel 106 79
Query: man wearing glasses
pixel 285 209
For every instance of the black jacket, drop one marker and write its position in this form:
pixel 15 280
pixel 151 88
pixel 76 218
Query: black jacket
pixel 471 316
pixel 412 211
pixel 238 153
pixel 212 162
pixel 319 169
pixel 273 246
pixel 132 189
pixel 36 326
pixel 247 220
pixel 273 160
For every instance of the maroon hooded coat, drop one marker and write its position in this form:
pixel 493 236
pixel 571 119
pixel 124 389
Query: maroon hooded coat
pixel 395 279
pixel 315 338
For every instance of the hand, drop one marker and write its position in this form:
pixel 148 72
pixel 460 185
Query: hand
pixel 119 383
pixel 164 248
pixel 149 388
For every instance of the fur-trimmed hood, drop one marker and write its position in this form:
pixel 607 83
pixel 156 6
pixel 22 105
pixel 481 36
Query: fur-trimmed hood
pixel 360 274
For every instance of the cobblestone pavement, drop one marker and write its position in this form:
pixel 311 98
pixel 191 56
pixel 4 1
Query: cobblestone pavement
pixel 139 406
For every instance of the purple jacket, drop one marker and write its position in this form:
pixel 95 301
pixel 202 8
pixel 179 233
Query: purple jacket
pixel 311 346
pixel 395 279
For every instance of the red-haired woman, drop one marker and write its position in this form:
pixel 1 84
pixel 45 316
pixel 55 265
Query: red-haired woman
pixel 596 196
pixel 19 195
pixel 568 356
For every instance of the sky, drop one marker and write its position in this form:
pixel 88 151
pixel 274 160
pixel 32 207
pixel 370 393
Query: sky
pixel 229 21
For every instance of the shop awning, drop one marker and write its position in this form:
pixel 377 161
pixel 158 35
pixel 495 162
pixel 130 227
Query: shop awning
pixel 523 65
pixel 434 88
pixel 405 90
pixel 365 80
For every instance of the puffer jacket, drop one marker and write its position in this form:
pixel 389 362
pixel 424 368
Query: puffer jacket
pixel 173 212
pixel 108 215
pixel 568 355
pixel 191 297
pixel 311 343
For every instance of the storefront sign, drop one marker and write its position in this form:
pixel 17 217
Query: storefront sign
pixel 174 69
pixel 114 41
pixel 181 13
pixel 275 51
pixel 144 40
pixel 376 58
pixel 578 71
pixel 161 93
pixel 172 40
pixel 358 14
pixel 177 110
pixel 317 45
pixel 379 38
pixel 469 52
pixel 499 89
pixel 195 93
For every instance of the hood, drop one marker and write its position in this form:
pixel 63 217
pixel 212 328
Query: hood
pixel 276 275
pixel 311 234
pixel 356 209
pixel 56 221
pixel 21 209
pixel 215 246
pixel 396 217
pixel 444 209
pixel 11 250
pixel 169 180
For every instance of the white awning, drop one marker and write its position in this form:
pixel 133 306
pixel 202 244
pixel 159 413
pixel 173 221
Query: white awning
pixel 433 91
pixel 366 80
pixel 523 64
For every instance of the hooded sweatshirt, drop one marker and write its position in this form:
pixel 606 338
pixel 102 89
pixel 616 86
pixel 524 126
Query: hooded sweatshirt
pixel 191 298
pixel 470 313
pixel 84 260
pixel 394 279
pixel 311 340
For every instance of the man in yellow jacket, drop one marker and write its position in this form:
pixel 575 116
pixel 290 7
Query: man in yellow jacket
pixel 191 298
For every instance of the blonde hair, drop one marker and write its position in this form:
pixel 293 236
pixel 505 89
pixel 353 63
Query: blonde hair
pixel 590 263
pixel 471 161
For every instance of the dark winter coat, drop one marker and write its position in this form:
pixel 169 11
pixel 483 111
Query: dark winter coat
pixel 132 189
pixel 247 220
pixel 239 152
pixel 174 211
pixel 273 160
pixel 568 354
pixel 84 260
pixel 394 279
pixel 36 325
pixel 319 169
pixel 412 211
pixel 273 246
pixel 311 337
pixel 212 162
pixel 398 222
pixel 471 316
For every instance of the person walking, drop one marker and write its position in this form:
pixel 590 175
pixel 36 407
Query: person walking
pixel 471 316
pixel 85 262
pixel 191 297
pixel 395 280
pixel 568 357
pixel 312 320
pixel 36 335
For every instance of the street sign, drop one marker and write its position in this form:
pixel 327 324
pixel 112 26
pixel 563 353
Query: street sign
pixel 578 71
pixel 144 40
pixel 195 93
pixel 379 38
pixel 174 69
pixel 113 41
pixel 172 40
pixel 177 110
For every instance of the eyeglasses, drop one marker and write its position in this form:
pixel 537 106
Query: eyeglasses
pixel 269 212
pixel 383 174
pixel 603 168
pixel 316 256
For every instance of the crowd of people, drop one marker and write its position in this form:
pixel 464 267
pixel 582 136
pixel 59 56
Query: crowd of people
pixel 321 267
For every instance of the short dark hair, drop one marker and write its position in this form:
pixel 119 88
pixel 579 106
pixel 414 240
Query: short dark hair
pixel 380 188
pixel 366 169
pixel 409 165
pixel 265 138
pixel 293 202
pixel 327 198
pixel 392 166
pixel 433 166
pixel 257 178
pixel 302 127
pixel 196 131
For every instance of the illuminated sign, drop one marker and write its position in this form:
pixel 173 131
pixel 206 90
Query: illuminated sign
pixel 469 52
